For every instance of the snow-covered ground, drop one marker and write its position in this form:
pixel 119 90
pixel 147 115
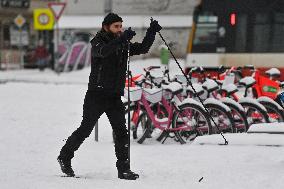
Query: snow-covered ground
pixel 39 110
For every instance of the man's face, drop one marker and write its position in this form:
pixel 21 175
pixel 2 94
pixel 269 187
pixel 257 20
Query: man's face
pixel 115 28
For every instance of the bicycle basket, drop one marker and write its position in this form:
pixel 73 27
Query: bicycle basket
pixel 167 94
pixel 153 95
pixel 135 93
pixel 158 80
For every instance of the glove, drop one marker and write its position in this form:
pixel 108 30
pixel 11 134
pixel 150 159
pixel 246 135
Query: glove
pixel 128 35
pixel 155 26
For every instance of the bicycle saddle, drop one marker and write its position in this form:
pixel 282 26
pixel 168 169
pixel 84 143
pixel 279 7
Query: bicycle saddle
pixel 247 81
pixel 210 85
pixel 229 89
pixel 174 87
pixel 198 89
pixel 273 72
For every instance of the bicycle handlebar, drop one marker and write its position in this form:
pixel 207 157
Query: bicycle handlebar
pixel 151 68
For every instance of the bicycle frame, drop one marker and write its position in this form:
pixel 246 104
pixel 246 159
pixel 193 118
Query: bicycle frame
pixel 170 108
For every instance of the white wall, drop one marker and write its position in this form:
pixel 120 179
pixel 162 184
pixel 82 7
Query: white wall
pixel 169 7
pixel 84 7
pixel 137 7
pixel 173 33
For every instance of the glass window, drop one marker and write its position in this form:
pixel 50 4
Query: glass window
pixel 277 44
pixel 241 33
pixel 279 17
pixel 261 38
pixel 262 18
pixel 205 34
pixel 6 35
pixel 278 38
pixel 206 30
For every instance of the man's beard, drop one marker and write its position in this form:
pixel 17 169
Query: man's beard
pixel 114 35
pixel 117 34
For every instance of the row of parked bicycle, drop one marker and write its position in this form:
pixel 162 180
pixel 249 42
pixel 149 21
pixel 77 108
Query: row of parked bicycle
pixel 186 107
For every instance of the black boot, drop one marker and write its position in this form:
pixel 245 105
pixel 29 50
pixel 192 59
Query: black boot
pixel 127 175
pixel 66 167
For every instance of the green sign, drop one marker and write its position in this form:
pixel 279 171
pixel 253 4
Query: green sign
pixel 269 89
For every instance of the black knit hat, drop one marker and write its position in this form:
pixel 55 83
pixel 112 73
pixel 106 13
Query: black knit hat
pixel 111 18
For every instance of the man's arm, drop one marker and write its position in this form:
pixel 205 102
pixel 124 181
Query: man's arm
pixel 143 48
pixel 100 49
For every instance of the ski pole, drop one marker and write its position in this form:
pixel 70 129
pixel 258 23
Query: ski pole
pixel 128 97
pixel 189 82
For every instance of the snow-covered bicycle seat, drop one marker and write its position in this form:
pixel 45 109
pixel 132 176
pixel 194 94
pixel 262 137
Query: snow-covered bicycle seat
pixel 247 81
pixel 198 89
pixel 174 87
pixel 210 85
pixel 273 72
pixel 229 89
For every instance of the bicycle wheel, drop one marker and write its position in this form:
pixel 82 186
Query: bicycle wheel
pixel 142 128
pixel 222 117
pixel 274 111
pixel 132 108
pixel 137 121
pixel 238 114
pixel 194 120
pixel 161 114
pixel 255 113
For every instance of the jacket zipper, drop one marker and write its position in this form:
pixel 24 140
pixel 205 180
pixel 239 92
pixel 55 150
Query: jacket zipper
pixel 120 64
pixel 99 76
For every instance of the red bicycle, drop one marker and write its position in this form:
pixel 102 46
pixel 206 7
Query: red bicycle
pixel 265 90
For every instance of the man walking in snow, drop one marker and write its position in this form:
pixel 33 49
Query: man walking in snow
pixel 105 88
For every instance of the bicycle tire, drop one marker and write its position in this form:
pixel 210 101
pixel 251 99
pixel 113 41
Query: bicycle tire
pixel 272 108
pixel 242 116
pixel 263 113
pixel 213 108
pixel 149 124
pixel 159 114
pixel 146 130
pixel 183 136
pixel 133 128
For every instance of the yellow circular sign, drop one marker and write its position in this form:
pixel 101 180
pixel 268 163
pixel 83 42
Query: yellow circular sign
pixel 43 19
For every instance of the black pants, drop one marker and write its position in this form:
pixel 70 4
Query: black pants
pixel 95 104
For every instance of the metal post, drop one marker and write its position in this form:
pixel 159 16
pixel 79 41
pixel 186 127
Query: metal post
pixel 21 49
pixel 108 7
pixel 56 58
pixel 56 46
pixel 97 132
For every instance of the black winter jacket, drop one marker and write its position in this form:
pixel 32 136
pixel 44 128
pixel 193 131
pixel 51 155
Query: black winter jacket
pixel 109 61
